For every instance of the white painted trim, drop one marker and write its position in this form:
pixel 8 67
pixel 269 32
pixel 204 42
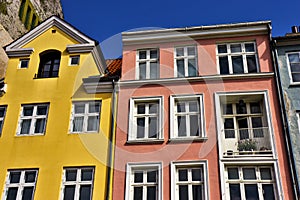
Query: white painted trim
pixel 98 87
pixel 25 52
pixel 80 48
pixel 289 67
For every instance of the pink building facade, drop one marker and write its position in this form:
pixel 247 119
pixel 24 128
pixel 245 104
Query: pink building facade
pixel 198 116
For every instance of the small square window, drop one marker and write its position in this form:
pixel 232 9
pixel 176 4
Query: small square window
pixel 74 60
pixel 24 63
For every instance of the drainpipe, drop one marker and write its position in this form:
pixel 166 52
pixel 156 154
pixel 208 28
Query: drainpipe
pixel 111 146
pixel 284 118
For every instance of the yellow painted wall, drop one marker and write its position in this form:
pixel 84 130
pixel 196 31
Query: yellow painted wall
pixel 57 149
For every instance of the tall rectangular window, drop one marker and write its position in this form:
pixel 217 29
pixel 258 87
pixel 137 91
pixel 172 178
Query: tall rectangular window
pixel 250 182
pixel 143 182
pixel 294 66
pixel 2 116
pixel 33 119
pixel 187 119
pixel 77 183
pixel 237 58
pixel 20 184
pixel 85 116
pixel 145 119
pixel 185 61
pixel 147 64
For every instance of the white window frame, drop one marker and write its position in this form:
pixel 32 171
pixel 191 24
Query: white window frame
pixel 2 118
pixel 74 56
pixel 34 117
pixel 258 181
pixel 85 116
pixel 243 54
pixel 186 58
pixel 290 69
pixel 24 60
pixel 173 114
pixel 132 167
pixel 21 184
pixel 189 165
pixel 148 60
pixel 132 133
pixel 78 182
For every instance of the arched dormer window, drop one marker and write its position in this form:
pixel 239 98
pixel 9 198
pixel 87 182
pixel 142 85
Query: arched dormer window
pixel 49 64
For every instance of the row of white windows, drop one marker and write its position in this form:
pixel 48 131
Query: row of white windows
pixel 85 117
pixel 232 58
pixel 189 181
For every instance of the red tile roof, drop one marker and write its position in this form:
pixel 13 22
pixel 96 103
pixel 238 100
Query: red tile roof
pixel 114 67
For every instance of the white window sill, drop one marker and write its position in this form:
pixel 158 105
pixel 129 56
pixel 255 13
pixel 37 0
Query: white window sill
pixel 28 135
pixel 187 139
pixel 145 141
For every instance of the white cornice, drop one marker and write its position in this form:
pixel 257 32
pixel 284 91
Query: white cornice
pixel 98 87
pixel 138 83
pixel 200 32
pixel 19 52
pixel 80 48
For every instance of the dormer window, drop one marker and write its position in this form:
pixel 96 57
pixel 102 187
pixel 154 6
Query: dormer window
pixel 49 64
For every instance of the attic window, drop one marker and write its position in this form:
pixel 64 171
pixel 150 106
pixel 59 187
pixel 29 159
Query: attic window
pixel 49 64
pixel 74 60
pixel 24 63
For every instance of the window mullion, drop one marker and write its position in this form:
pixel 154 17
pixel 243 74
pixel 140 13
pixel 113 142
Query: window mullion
pixel 187 119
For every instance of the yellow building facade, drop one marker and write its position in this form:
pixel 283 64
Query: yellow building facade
pixel 56 134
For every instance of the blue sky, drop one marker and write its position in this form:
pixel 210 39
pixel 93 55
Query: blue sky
pixel 106 20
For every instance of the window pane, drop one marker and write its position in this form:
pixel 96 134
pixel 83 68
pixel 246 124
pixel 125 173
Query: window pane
pixel 142 54
pixel 227 109
pixel 138 176
pixel 251 191
pixel 243 128
pixel 77 124
pixel 87 174
pixel 42 110
pixel 251 63
pixel 229 128
pixel 295 67
pixel 153 54
pixel 237 64
pixel 265 173
pixel 235 191
pixel 30 176
pixel 25 126
pixel 192 67
pixel 183 192
pixel 138 193
pixel 181 120
pixel 249 47
pixel 69 192
pixel 141 108
pixel 233 173
pixel 154 70
pixel 180 67
pixel 222 48
pixel 255 108
pixel 179 52
pixel 85 192
pixel 153 108
pixel 197 192
pixel 94 107
pixel 249 173
pixel 151 193
pixel 182 174
pixel 14 177
pixel 196 174
pixel 2 111
pixel 79 108
pixel 142 67
pixel 235 48
pixel 12 194
pixel 140 127
pixel 27 110
pixel 294 58
pixel 27 193
pixel 93 122
pixel 193 106
pixel 40 126
pixel 24 63
pixel 296 77
pixel 224 65
pixel 153 127
pixel 194 125
pixel 74 60
pixel 71 174
pixel 151 176
pixel 180 107
pixel 268 191
pixel 241 107
pixel 191 51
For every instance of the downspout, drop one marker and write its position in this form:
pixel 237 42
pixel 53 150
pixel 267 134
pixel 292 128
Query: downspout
pixel 111 146
pixel 284 118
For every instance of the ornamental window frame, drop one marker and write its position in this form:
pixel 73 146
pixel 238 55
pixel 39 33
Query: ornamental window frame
pixel 174 114
pixel 134 115
pixel 85 116
pixel 186 57
pixel 244 53
pixel 147 59
pixel 131 182
pixel 33 118
pixel 291 73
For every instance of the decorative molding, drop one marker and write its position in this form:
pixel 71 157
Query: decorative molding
pixel 98 87
pixel 80 48
pixel 26 52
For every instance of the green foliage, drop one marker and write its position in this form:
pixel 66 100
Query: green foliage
pixel 247 145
